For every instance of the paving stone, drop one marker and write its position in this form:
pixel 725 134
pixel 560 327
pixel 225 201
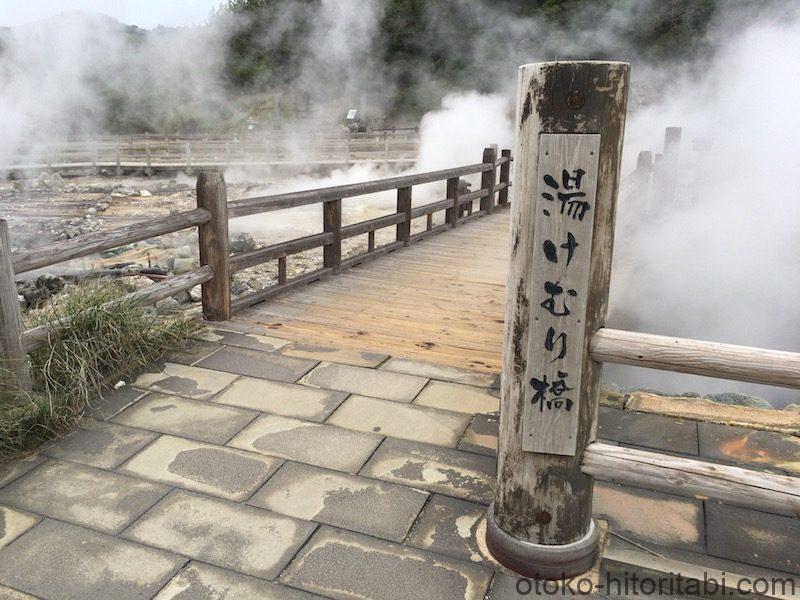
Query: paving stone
pixel 648 431
pixel 441 372
pixel 758 538
pixel 186 418
pixel 456 397
pixel 100 444
pixel 17 468
pixel 9 594
pixel 59 560
pixel 234 536
pixel 112 402
pixel 287 399
pixel 194 352
pixel 356 503
pixel 506 586
pixel 311 443
pixel 83 495
pixel 365 382
pixel 189 382
pixel 449 526
pixel 337 355
pixel 204 582
pixel 258 364
pixel 651 517
pixel 450 472
pixel 253 341
pixel 13 524
pixel 762 450
pixel 342 564
pixel 481 435
pixel 215 470
pixel 400 420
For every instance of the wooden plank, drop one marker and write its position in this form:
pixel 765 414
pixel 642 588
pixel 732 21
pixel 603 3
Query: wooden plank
pixel 332 223
pixel 13 356
pixel 275 290
pixel 244 260
pixel 733 485
pixel 505 177
pixel 90 243
pixel 371 225
pixel 711 359
pixel 562 239
pixel 489 179
pixel 451 216
pixel 404 208
pixel 212 196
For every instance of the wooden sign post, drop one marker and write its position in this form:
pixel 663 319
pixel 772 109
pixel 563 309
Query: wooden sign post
pixel 570 119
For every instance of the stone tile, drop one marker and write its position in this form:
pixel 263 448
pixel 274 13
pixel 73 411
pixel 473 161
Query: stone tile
pixel 449 526
pixel 9 594
pixel 400 420
pixel 450 472
pixel 83 495
pixel 356 503
pixel 201 582
pixel 647 431
pixel 111 402
pixel 458 398
pixel 337 355
pixel 17 468
pixel 216 470
pixel 311 443
pixel 365 382
pixel 751 449
pixel 186 418
pixel 234 536
pixel 481 435
pixel 58 560
pixel 13 524
pixel 441 372
pixel 344 565
pixel 651 517
pixel 287 399
pixel 252 341
pixel 189 382
pixel 100 444
pixel 258 364
pixel 195 351
pixel 753 537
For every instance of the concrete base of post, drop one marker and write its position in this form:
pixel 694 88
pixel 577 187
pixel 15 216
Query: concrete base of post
pixel 542 561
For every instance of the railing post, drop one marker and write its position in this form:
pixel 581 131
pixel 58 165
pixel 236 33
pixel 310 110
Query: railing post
pixel 214 248
pixel 488 179
pixel 332 223
pixel 118 158
pixel 12 352
pixel 668 167
pixel 404 208
pixel 149 166
pixel 570 120
pixel 505 177
pixel 189 158
pixel 451 214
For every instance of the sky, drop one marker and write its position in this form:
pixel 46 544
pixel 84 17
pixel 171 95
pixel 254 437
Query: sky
pixel 144 13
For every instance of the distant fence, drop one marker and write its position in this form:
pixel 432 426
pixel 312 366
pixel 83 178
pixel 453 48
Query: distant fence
pixel 217 264
pixel 193 153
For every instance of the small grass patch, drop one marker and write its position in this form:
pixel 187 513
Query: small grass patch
pixel 107 339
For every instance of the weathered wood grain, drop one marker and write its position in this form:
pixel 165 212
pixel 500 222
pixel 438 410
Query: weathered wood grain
pixel 404 208
pixel 489 179
pixel 13 356
pixel 332 223
pixel 505 177
pixel 212 196
pixel 711 359
pixel 251 258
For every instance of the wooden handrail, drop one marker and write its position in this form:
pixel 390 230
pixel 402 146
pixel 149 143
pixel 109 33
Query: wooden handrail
pixel 84 245
pixel 711 359
pixel 252 206
pixel 255 257
pixel 742 487
pixel 362 227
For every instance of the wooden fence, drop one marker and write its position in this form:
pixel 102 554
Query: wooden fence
pixel 150 153
pixel 567 169
pixel 217 264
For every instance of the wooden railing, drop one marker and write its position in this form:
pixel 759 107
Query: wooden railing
pixel 217 264
pixel 195 153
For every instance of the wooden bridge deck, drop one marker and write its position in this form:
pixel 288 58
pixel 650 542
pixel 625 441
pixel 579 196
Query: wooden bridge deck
pixel 440 300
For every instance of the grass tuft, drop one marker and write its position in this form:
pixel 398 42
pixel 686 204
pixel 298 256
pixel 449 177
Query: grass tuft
pixel 100 345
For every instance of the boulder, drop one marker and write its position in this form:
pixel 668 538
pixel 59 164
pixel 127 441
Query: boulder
pixel 182 265
pixel 736 399
pixel 196 294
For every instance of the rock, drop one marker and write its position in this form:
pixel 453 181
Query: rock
pixel 183 297
pixel 196 294
pixel 168 304
pixel 51 283
pixel 50 181
pixel 91 210
pixel 23 304
pixel 242 242
pixel 239 288
pixel 144 193
pixel 101 206
pixel 119 384
pixel 184 252
pixel 793 407
pixel 736 399
pixel 182 265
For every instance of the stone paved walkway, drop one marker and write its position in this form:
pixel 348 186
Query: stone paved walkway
pixel 256 467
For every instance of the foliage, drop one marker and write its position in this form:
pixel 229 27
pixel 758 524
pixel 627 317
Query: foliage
pixel 107 338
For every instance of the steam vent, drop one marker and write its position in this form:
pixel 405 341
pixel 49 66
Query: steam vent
pixel 399 300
